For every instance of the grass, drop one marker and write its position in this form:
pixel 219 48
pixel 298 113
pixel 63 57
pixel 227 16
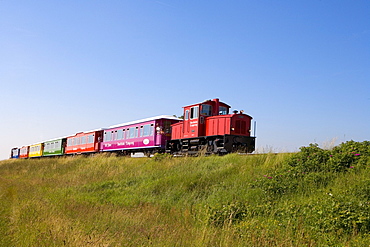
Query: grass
pixel 230 200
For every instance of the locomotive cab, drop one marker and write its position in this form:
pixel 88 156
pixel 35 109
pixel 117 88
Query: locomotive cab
pixel 194 124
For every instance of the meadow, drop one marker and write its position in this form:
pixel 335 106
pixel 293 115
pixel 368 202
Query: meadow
pixel 315 197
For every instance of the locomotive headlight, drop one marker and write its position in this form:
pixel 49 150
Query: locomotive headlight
pixel 232 129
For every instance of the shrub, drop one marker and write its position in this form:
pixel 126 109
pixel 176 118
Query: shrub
pixel 339 159
pixel 349 154
pixel 226 214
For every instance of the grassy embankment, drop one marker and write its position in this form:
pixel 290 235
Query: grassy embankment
pixel 313 198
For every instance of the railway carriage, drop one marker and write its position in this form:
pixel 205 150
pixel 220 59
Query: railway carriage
pixel 84 142
pixel 36 150
pixel 23 152
pixel 146 135
pixel 14 153
pixel 54 147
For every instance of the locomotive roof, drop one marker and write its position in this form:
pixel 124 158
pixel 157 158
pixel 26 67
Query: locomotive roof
pixel 208 101
pixel 145 120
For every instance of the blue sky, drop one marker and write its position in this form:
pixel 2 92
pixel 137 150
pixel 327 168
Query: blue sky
pixel 301 69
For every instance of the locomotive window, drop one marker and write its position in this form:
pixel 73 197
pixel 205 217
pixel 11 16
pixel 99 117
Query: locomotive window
pixel 206 110
pixel 186 114
pixel 194 112
pixel 223 110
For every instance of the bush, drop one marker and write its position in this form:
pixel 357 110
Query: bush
pixel 339 159
pixel 226 214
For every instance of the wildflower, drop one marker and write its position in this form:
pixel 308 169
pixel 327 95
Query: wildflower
pixel 331 155
pixel 269 177
pixel 357 154
pixel 351 167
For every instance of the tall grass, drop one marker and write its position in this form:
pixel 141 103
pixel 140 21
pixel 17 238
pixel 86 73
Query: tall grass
pixel 231 200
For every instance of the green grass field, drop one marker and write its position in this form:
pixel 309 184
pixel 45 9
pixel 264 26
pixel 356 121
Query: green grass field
pixel 314 197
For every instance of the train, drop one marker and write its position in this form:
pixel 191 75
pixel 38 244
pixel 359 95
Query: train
pixel 207 127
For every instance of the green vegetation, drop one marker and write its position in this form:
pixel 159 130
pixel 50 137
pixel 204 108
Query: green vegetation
pixel 315 197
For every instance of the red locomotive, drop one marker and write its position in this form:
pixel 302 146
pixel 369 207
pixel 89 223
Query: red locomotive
pixel 208 126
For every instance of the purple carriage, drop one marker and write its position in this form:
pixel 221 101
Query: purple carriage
pixel 145 136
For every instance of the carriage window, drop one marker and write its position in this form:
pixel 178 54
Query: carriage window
pixel 107 136
pixel 167 126
pixel 120 134
pixel 141 131
pixel 132 132
pixel 83 140
pixel 206 110
pixel 146 130
pixel 136 132
pixel 77 140
pixel 151 129
pixel 223 110
pixel 194 112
